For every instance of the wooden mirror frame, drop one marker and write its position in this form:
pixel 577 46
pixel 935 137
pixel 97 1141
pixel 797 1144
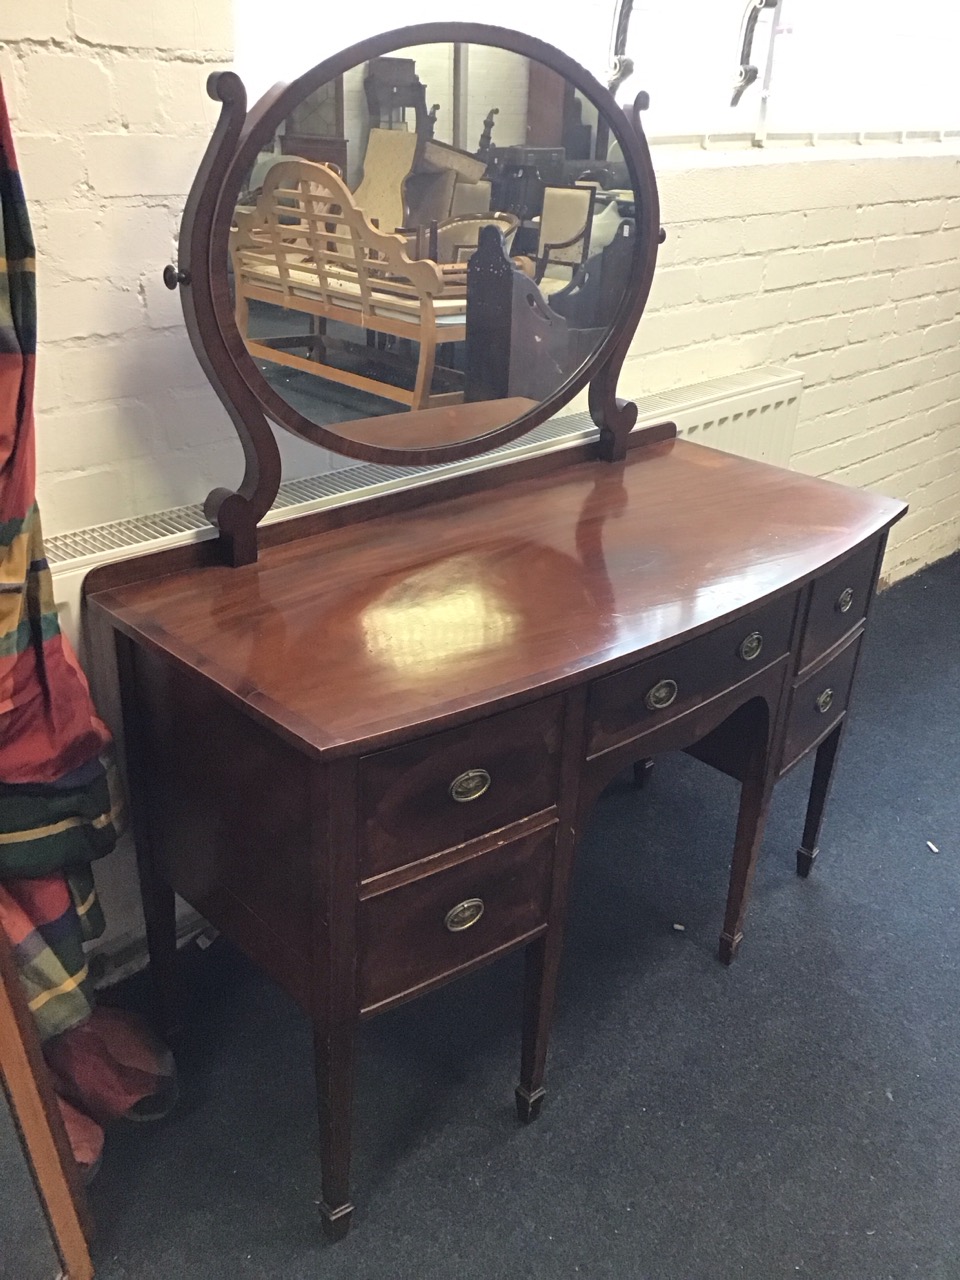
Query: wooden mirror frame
pixel 203 279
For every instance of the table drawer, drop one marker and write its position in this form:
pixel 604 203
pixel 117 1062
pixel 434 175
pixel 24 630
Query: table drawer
pixel 838 602
pixel 629 703
pixel 817 703
pixel 450 787
pixel 417 935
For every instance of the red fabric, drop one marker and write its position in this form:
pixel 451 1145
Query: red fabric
pixel 108 1064
pixel 86 1137
pixel 28 905
pixel 49 727
pixel 17 456
pixel 101 1071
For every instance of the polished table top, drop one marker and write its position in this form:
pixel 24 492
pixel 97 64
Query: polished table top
pixel 413 620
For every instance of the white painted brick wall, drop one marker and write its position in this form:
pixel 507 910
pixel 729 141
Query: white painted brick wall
pixel 843 264
pixel 111 118
pixel 859 287
pixel 155 24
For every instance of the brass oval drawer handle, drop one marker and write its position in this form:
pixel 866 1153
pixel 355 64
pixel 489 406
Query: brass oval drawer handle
pixel 463 915
pixel 825 701
pixel 845 599
pixel 469 785
pixel 661 695
pixel 750 646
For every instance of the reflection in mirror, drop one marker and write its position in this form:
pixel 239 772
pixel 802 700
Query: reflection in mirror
pixel 447 230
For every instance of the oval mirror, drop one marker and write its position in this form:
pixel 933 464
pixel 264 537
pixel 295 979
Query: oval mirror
pixel 431 246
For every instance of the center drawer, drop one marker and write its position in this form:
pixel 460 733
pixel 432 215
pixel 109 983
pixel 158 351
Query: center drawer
pixel 440 791
pixel 629 703
pixel 418 935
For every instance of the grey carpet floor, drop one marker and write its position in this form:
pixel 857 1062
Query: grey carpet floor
pixel 795 1116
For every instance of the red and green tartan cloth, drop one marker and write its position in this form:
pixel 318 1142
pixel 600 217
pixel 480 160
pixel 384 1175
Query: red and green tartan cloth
pixel 56 810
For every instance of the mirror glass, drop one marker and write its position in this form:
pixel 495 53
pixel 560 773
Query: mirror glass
pixel 443 234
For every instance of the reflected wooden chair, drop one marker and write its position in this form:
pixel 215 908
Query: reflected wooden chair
pixel 308 248
pixel 594 295
pixel 516 344
pixel 521 342
pixel 565 226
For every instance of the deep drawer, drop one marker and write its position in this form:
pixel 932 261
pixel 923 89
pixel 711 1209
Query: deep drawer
pixel 838 602
pixel 817 703
pixel 632 702
pixel 451 787
pixel 423 932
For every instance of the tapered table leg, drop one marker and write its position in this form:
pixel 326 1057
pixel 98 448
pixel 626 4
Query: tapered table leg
pixel 642 770
pixel 541 965
pixel 823 767
pixel 754 801
pixel 160 918
pixel 542 956
pixel 334 1064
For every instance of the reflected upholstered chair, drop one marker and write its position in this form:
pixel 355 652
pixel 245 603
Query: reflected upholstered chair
pixel 565 225
pixel 457 237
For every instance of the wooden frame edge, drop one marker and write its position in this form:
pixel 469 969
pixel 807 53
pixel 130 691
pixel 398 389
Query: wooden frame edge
pixel 23 1074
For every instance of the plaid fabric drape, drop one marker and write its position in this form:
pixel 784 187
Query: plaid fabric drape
pixel 56 813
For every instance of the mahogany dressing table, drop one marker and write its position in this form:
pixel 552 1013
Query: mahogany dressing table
pixel 364 743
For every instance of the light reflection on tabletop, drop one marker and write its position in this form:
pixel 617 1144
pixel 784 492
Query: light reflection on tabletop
pixel 431 618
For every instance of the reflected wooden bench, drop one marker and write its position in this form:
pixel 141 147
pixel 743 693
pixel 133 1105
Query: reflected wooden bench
pixel 307 247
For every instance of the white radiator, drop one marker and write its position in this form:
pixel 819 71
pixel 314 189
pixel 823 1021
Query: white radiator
pixel 753 414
